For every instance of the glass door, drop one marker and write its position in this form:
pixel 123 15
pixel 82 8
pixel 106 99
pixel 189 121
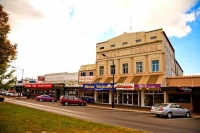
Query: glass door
pixel 148 99
pixel 127 98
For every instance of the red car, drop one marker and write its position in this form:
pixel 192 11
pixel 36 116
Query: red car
pixel 65 100
pixel 46 98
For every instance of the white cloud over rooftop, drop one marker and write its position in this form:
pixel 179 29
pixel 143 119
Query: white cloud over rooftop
pixel 50 32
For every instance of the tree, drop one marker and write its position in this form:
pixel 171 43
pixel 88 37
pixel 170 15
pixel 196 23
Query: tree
pixel 8 52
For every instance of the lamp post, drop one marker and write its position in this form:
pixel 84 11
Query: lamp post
pixel 21 79
pixel 113 105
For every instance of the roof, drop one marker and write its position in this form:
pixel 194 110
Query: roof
pixel 186 76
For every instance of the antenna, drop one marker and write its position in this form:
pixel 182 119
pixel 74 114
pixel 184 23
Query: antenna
pixel 130 24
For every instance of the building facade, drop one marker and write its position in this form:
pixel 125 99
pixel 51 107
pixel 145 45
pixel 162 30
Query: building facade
pixel 86 75
pixel 141 58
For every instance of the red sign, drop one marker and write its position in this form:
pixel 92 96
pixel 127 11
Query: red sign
pixel 40 78
pixel 38 86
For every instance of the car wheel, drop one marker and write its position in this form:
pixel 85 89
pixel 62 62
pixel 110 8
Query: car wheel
pixel 40 100
pixel 187 114
pixel 82 104
pixel 66 103
pixel 169 115
pixel 157 115
pixel 53 100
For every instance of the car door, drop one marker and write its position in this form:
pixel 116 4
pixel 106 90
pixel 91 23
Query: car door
pixel 173 109
pixel 181 110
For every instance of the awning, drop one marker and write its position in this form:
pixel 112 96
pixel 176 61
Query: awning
pixel 121 79
pixel 152 79
pixel 108 80
pixel 136 79
pixel 96 80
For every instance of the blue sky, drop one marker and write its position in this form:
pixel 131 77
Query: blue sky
pixel 59 36
pixel 187 49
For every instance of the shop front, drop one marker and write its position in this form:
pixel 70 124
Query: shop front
pixel 58 89
pixel 188 97
pixel 39 89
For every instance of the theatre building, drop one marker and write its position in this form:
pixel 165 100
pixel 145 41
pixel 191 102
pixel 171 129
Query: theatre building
pixel 141 60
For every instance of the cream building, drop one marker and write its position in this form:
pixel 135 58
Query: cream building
pixel 141 58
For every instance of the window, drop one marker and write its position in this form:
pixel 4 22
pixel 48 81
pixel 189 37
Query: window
pixel 83 74
pixel 101 70
pixel 112 69
pixel 125 68
pixel 153 37
pixel 179 98
pixel 112 45
pixel 139 67
pixel 124 43
pixel 101 47
pixel 91 73
pixel 138 40
pixel 155 66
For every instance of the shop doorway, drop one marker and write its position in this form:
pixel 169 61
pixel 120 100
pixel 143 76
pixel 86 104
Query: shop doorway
pixel 148 99
pixel 58 94
pixel 127 98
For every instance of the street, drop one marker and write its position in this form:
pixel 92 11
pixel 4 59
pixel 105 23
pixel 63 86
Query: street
pixel 129 119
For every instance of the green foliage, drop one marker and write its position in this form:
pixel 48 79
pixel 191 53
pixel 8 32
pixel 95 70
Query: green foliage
pixel 8 52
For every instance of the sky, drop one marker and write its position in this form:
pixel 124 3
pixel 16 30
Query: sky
pixel 60 35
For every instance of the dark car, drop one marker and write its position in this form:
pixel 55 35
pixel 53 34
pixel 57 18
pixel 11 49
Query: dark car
pixel 1 99
pixel 88 99
pixel 46 98
pixel 65 100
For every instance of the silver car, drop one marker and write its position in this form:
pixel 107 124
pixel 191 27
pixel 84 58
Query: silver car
pixel 170 110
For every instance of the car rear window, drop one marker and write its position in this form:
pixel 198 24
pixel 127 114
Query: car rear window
pixel 163 105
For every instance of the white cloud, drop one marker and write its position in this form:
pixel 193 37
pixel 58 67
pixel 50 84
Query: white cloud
pixel 56 36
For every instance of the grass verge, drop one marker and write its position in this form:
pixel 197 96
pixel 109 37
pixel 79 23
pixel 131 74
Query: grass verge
pixel 19 119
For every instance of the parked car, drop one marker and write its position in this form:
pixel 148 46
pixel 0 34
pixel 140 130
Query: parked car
pixel 88 99
pixel 45 97
pixel 11 93
pixel 3 92
pixel 170 110
pixel 65 100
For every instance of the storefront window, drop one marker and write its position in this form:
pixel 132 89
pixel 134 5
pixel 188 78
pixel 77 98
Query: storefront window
pixel 103 96
pixel 179 98
pixel 158 98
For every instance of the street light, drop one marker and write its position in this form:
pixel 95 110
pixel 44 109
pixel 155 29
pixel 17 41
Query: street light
pixel 113 105
pixel 21 79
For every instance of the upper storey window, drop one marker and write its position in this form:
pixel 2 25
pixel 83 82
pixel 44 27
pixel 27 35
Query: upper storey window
pixel 83 74
pixel 124 43
pixel 113 45
pixel 125 68
pixel 155 65
pixel 101 47
pixel 153 37
pixel 91 73
pixel 101 70
pixel 138 40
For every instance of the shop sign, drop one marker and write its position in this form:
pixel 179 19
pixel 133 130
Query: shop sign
pixel 185 89
pixel 59 85
pixel 38 86
pixel 98 87
pixel 147 86
pixel 125 86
